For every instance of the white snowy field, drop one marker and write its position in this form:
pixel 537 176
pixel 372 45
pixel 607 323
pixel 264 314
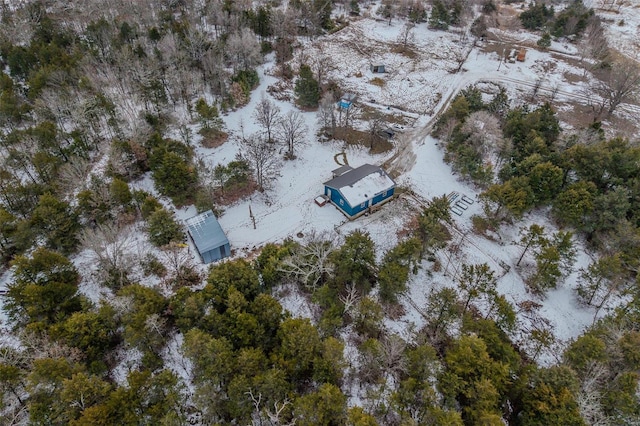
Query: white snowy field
pixel 417 81
pixel 622 21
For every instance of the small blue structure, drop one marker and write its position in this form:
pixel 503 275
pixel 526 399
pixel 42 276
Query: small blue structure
pixel 360 190
pixel 208 237
pixel 347 100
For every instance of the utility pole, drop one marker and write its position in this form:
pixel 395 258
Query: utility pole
pixel 501 58
pixel 253 218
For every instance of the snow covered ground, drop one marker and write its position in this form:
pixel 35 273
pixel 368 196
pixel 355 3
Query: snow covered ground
pixel 622 25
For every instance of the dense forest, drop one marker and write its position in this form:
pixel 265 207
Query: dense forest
pixel 96 95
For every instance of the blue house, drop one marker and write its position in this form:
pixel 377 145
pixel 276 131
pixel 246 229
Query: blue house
pixel 360 190
pixel 208 237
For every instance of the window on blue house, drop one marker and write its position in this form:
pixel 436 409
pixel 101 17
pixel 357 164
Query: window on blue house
pixel 362 206
pixel 384 194
pixel 342 202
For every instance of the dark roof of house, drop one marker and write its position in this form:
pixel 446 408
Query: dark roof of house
pixel 354 175
pixel 341 170
pixel 206 232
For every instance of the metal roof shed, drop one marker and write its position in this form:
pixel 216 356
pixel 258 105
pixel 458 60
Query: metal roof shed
pixel 208 237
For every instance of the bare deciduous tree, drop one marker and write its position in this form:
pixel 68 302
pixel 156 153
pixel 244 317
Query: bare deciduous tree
pixel 73 173
pixel 263 158
pixel 293 131
pixel 267 114
pixel 589 398
pixel 346 116
pixel 327 114
pixel 264 416
pixel 393 347
pixel 283 22
pixel 617 85
pixel 406 35
pixel 111 247
pixel 179 264
pixel 214 72
pixel 154 323
pixel 376 124
pixel 486 135
pixel 309 264
pixel 195 44
pixel 243 50
pixel 322 64
pixel 350 298
pixel 611 5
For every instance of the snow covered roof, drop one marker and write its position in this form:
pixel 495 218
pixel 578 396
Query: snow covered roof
pixel 362 183
pixel 206 232
pixel 349 97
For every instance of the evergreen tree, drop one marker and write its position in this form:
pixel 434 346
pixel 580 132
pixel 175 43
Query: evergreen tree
pixel 8 227
pixel 439 18
pixel 120 192
pixel 475 379
pixel 431 230
pixel 307 88
pixel 600 280
pixel 209 116
pixel 545 180
pixel 163 228
pixel 515 196
pixel 44 290
pixel 476 281
pixel 57 222
pixel 554 259
pixel 544 41
pixel 94 333
pixel 175 177
pixel 392 280
pixel 368 318
pixel 300 346
pixel 442 312
pixel 45 383
pixel 550 398
pixel 533 236
pixel 355 262
pixel 584 352
pixel 238 274
pixel 536 16
pixel 148 398
pixel 574 205
pixel 325 407
pixel 145 323
pixel 322 9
